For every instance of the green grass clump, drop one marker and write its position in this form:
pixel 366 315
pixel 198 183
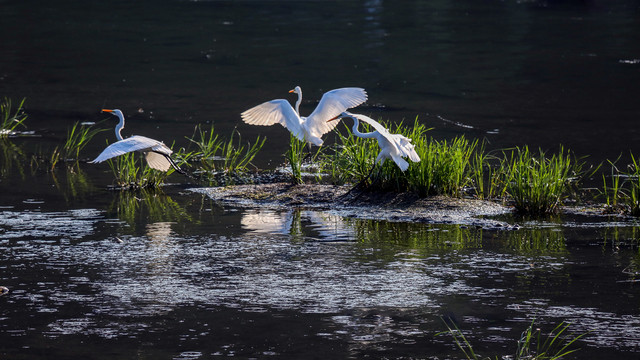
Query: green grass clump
pixel 217 156
pixel 536 183
pixel 531 345
pixel 445 167
pixel 130 173
pixel 10 119
pixel 77 139
pixel 295 155
pixel 622 192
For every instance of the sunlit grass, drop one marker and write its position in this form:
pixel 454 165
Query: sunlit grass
pixel 219 157
pixel 536 183
pixel 11 118
pixel 130 172
pixel 78 137
pixel 295 156
pixel 622 190
pixel 532 345
pixel 445 167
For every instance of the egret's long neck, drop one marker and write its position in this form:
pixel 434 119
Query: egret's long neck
pixel 356 132
pixel 119 127
pixel 299 102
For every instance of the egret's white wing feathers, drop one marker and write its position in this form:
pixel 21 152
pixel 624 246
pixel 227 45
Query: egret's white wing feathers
pixel 278 111
pixel 332 104
pixel 392 146
pixel 134 143
pixel 157 161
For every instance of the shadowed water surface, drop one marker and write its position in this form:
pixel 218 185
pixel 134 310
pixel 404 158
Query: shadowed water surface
pixel 172 274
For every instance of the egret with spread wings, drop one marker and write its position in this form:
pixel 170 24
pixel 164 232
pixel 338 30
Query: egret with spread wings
pixel 312 127
pixel 157 154
pixel 392 146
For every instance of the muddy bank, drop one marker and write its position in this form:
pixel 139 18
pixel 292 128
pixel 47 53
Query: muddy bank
pixel 365 205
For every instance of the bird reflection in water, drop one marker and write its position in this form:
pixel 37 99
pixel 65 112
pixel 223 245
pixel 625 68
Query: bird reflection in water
pixel 301 224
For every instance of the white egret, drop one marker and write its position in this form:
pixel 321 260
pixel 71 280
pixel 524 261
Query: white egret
pixel 311 128
pixel 157 154
pixel 392 146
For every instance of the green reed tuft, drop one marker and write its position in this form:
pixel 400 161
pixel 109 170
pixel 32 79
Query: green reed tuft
pixel 77 139
pixel 217 156
pixel 295 155
pixel 130 173
pixel 622 193
pixel 10 119
pixel 445 166
pixel 537 184
pixel 531 345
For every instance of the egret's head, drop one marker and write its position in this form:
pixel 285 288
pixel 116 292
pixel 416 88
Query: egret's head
pixel 115 112
pixel 296 90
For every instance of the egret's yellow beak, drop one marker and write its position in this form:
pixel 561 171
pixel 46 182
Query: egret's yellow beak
pixel 290 91
pixel 335 118
pixel 107 110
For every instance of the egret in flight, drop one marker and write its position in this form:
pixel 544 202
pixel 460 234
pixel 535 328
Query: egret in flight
pixel 392 146
pixel 312 127
pixel 157 154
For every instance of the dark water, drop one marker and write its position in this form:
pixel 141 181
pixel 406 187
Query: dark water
pixel 99 274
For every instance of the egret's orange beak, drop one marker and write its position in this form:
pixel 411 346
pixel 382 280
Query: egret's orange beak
pixel 290 91
pixel 335 118
pixel 107 110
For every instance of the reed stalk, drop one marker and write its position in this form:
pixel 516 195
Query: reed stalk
pixel 10 119
pixel 532 345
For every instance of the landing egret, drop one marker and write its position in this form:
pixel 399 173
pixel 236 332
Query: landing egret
pixel 157 154
pixel 311 128
pixel 392 146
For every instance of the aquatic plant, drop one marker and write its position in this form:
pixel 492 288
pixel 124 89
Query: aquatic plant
pixel 11 156
pixel 531 345
pixel 622 192
pixel 535 183
pixel 11 119
pixel 295 155
pixel 351 158
pixel 445 166
pixel 129 173
pixel 485 176
pixel 77 139
pixel 217 156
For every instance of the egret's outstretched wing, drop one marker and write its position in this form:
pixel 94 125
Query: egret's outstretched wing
pixel 134 143
pixel 332 104
pixel 277 111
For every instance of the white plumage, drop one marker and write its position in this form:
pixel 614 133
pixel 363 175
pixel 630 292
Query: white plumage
pixel 312 127
pixel 392 146
pixel 156 152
